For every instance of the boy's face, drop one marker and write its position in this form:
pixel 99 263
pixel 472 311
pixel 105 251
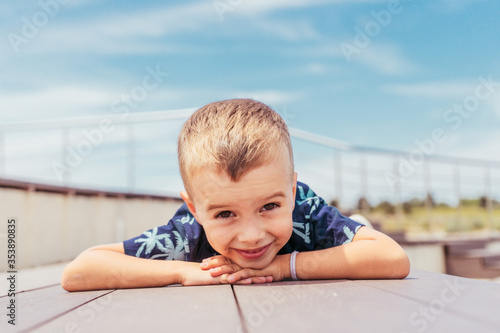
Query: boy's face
pixel 247 221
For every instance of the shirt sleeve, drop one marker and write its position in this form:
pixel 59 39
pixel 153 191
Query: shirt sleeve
pixel 316 225
pixel 182 238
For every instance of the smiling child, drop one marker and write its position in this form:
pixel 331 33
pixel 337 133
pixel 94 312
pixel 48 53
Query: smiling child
pixel 246 218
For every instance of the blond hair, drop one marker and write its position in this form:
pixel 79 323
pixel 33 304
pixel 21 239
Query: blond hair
pixel 232 136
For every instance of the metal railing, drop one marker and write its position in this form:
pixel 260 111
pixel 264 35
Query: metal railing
pixel 136 152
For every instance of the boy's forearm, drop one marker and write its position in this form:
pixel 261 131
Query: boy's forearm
pixel 362 259
pixel 371 255
pixel 104 269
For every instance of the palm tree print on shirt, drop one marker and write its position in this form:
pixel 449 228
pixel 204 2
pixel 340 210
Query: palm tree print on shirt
pixel 153 243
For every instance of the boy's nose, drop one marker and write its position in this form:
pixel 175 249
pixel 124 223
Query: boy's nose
pixel 251 232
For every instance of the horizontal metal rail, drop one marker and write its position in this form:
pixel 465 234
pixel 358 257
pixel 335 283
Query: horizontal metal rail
pixel 124 118
pixel 179 114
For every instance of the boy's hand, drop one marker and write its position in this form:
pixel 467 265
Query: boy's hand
pixel 216 270
pixel 232 273
pixel 194 276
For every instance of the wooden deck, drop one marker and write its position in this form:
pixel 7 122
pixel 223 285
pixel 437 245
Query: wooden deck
pixel 423 302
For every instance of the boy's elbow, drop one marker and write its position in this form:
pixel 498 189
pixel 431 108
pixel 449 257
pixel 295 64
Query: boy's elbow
pixel 400 265
pixel 70 280
pixel 68 285
pixel 75 276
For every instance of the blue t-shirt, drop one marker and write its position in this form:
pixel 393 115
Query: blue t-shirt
pixel 316 226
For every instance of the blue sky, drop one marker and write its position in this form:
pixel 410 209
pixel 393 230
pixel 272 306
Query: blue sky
pixel 414 61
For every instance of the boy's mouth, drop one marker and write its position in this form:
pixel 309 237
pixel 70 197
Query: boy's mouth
pixel 253 253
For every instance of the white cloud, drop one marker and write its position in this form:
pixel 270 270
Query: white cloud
pixel 329 49
pixel 386 59
pixel 53 102
pixel 73 101
pixel 138 32
pixel 258 7
pixel 440 90
pixel 445 90
pixel 317 68
pixel 454 5
pixel 475 144
pixel 134 32
pixel 159 21
pixel 272 97
pixel 293 31
pixel 494 102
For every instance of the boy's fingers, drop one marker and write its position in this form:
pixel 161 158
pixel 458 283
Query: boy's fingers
pixel 245 281
pixel 217 271
pixel 214 262
pixel 214 258
pixel 259 279
pixel 243 274
pixel 209 259
pixel 255 279
pixel 223 279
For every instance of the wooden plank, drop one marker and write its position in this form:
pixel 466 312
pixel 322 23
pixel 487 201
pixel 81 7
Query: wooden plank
pixel 474 299
pixel 167 309
pixel 33 278
pixel 37 306
pixel 341 306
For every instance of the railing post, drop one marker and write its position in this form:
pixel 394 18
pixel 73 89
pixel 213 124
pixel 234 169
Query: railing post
pixel 338 176
pixel 489 203
pixel 64 153
pixel 456 179
pixel 397 191
pixel 364 183
pixel 3 160
pixel 427 185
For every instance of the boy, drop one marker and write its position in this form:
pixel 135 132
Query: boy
pixel 245 220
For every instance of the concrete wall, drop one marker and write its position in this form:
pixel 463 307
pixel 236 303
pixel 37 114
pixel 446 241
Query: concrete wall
pixel 427 257
pixel 55 227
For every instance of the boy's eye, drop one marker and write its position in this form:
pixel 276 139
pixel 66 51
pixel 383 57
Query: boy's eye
pixel 224 215
pixel 270 206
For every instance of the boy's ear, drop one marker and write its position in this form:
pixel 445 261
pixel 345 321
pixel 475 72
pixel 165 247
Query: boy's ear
pixel 189 204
